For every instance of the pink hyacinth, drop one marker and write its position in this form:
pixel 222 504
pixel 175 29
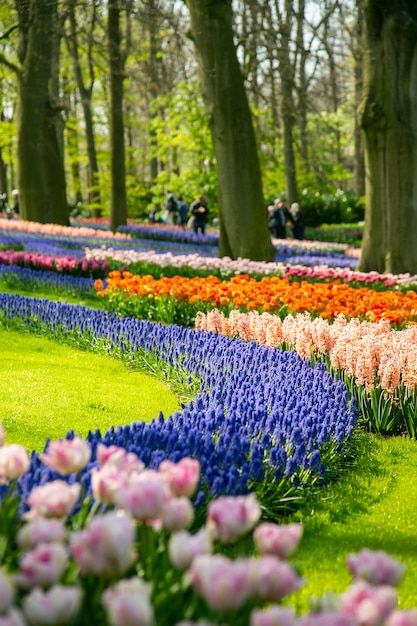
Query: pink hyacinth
pixel 43 566
pixel 369 605
pixel 144 496
pixel 183 476
pixel 231 517
pixel 272 579
pixel 274 615
pixel 281 540
pixel 54 499
pixel 376 567
pixel 14 462
pixel 223 583
pixel 67 456
pixel 50 607
pixel 106 546
pixel 184 547
pixel 40 530
pixel 128 603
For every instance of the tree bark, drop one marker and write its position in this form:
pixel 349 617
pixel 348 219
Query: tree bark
pixel 42 190
pixel 243 219
pixel 388 113
pixel 118 207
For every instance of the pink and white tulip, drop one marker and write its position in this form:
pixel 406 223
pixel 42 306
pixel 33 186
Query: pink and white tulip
pixel 59 605
pixel 376 567
pixel 183 476
pixel 106 481
pixel 231 517
pixel 143 498
pixel 272 579
pixel 13 617
pixel 14 462
pixel 67 456
pixel 402 618
pixel 327 618
pixel 54 499
pixel 128 462
pixel 367 604
pixel 7 591
pixel 177 514
pixel 281 540
pixel 274 615
pixel 41 530
pixel 106 546
pixel 183 547
pixel 128 603
pixel 43 566
pixel 223 583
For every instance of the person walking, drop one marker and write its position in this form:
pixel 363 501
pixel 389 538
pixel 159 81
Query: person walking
pixel 278 217
pixel 171 209
pixel 182 211
pixel 297 222
pixel 199 209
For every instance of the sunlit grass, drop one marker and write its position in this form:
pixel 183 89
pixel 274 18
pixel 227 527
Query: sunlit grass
pixel 48 389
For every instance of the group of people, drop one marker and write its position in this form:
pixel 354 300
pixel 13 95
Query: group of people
pixel 279 217
pixel 10 209
pixel 176 211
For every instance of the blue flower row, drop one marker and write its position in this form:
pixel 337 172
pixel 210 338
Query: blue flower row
pixel 262 417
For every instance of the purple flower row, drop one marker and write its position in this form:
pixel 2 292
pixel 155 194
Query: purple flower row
pixel 262 415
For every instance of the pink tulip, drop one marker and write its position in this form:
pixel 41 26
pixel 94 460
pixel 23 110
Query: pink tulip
pixel 402 618
pixel 224 584
pixel 14 462
pixel 231 517
pixel 272 579
pixel 128 603
pixel 183 476
pixel 369 605
pixel 7 591
pixel 128 462
pixel 40 530
pixel 54 499
pixel 43 566
pixel 106 481
pixel 59 605
pixel 177 514
pixel 273 616
pixel 377 568
pixel 144 496
pixel 105 547
pixel 183 547
pixel 279 540
pixel 67 456
pixel 12 618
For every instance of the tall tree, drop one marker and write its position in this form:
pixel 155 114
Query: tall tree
pixel 388 113
pixel 42 186
pixel 243 220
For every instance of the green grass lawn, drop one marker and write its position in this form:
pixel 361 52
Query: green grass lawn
pixel 49 388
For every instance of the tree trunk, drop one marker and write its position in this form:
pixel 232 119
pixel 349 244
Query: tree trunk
pixel 243 219
pixel 118 208
pixel 42 192
pixel 388 116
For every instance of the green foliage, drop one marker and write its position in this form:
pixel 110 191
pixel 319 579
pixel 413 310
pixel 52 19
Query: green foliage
pixel 330 208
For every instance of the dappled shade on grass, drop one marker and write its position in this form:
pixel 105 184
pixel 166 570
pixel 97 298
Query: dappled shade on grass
pixel 48 389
